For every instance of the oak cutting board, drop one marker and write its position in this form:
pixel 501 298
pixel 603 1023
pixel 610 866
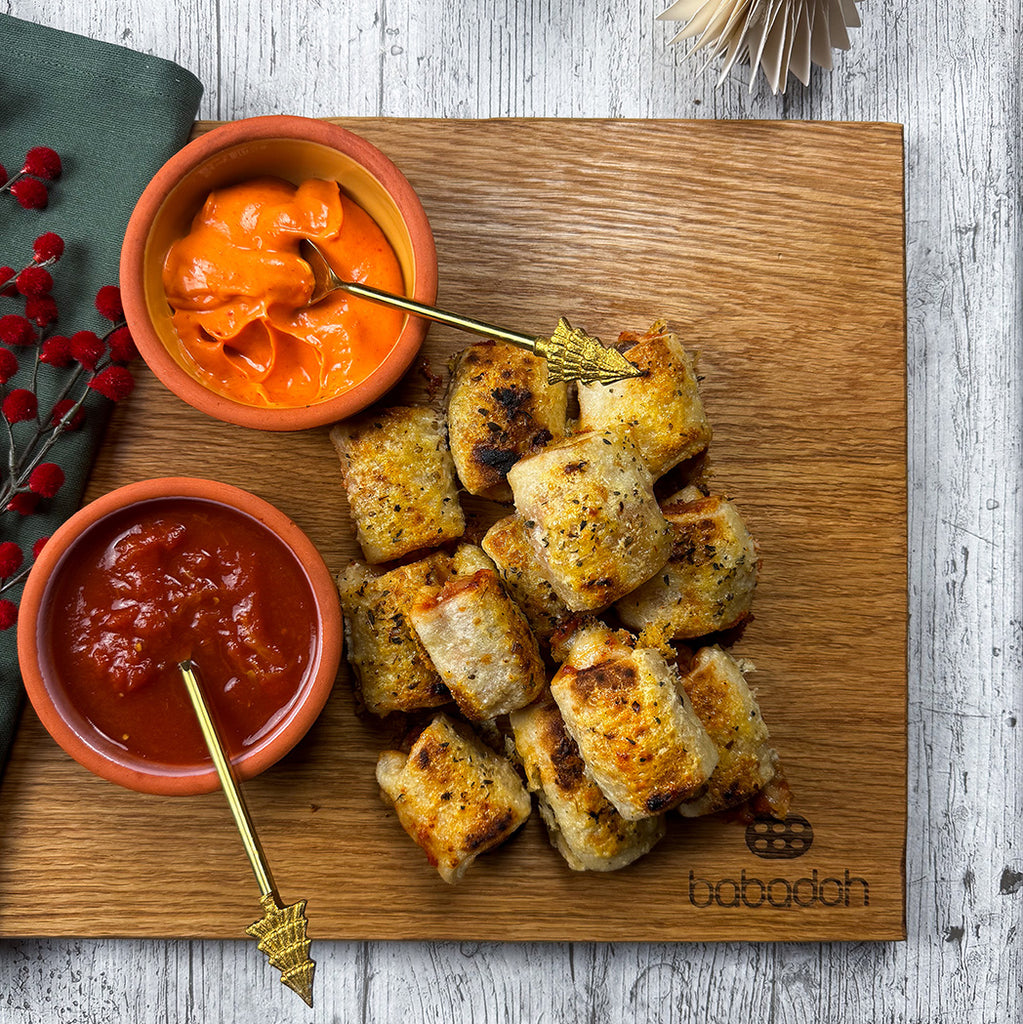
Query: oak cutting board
pixel 777 251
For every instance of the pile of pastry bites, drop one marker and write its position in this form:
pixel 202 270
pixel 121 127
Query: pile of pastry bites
pixel 560 655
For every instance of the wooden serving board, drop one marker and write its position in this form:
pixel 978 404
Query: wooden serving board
pixel 777 250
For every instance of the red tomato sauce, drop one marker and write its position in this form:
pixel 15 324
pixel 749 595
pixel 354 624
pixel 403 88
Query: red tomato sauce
pixel 180 579
pixel 239 287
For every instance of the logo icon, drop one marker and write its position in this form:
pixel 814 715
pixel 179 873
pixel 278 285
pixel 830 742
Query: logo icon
pixel 783 839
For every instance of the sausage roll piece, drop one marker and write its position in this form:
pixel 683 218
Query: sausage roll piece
pixel 709 580
pixel 662 410
pixel 507 543
pixel 637 733
pixel 400 481
pixel 392 670
pixel 500 408
pixel 588 508
pixel 454 796
pixel 583 825
pixel 728 710
pixel 480 643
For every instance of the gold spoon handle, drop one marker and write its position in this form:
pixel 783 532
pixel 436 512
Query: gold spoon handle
pixel 571 353
pixel 239 811
pixel 441 316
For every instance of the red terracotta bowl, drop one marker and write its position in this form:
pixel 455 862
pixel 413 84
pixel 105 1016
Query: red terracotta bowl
pixel 71 715
pixel 292 148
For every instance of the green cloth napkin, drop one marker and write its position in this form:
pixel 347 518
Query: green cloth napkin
pixel 114 116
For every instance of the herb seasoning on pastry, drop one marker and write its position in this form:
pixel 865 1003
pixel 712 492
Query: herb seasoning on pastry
pixel 454 796
pixel 588 507
pixel 638 735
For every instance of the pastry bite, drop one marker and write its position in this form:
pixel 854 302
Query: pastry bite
pixel 722 700
pixel 588 508
pixel 400 481
pixel 662 410
pixel 468 558
pixel 582 823
pixel 392 669
pixel 709 580
pixel 637 733
pixel 519 566
pixel 500 408
pixel 454 796
pixel 480 643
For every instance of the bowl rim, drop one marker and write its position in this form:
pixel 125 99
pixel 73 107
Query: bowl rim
pixel 228 135
pixel 293 727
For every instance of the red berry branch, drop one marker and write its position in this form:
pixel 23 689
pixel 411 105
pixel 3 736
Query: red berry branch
pixel 28 186
pixel 31 355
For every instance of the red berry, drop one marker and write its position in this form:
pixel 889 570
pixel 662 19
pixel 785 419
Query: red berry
pixel 8 614
pixel 48 246
pixel 16 330
pixel 108 303
pixel 8 365
pixel 38 546
pixel 61 409
pixel 41 310
pixel 11 558
pixel 33 282
pixel 30 193
pixel 87 347
pixel 56 351
pixel 24 503
pixel 122 345
pixel 46 479
pixel 43 162
pixel 20 405
pixel 6 273
pixel 115 383
pixel 3 175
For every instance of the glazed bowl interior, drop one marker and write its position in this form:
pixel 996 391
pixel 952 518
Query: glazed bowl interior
pixel 292 149
pixel 85 735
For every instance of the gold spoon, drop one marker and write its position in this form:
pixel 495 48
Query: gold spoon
pixel 282 929
pixel 571 353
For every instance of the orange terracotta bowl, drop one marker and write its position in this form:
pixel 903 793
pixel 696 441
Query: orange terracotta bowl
pixel 295 149
pixel 143 734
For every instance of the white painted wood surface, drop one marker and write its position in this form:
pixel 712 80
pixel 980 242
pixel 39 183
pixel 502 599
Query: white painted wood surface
pixel 950 73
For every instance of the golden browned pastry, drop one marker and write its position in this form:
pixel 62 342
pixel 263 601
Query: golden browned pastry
pixel 400 481
pixel 455 797
pixel 500 408
pixel 588 508
pixel 481 644
pixel 582 823
pixel 729 712
pixel 639 737
pixel 662 411
pixel 709 580
pixel 392 670
pixel 507 543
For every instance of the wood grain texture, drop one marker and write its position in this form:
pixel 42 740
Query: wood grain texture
pixel 950 74
pixel 805 386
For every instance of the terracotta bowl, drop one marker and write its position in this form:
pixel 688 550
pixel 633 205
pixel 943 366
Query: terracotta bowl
pixel 295 149
pixel 69 717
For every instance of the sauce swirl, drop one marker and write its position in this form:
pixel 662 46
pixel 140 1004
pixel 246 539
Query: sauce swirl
pixel 238 285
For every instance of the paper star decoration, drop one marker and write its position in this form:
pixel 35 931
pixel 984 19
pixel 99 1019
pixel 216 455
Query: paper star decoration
pixel 778 36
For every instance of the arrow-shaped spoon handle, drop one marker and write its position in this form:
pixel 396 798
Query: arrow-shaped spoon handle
pixel 571 354
pixel 440 316
pixel 253 849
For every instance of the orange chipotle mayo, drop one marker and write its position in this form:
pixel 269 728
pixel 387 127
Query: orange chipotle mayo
pixel 237 285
